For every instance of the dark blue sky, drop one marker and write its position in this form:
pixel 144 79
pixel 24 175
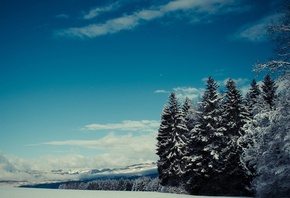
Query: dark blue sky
pixel 66 65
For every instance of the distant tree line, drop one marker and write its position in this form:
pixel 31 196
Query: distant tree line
pixel 143 183
pixel 122 184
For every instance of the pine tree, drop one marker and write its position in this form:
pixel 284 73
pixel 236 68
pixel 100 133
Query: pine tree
pixel 172 145
pixel 189 113
pixel 206 142
pixel 235 116
pixel 179 151
pixel 253 98
pixel 164 142
pixel 269 91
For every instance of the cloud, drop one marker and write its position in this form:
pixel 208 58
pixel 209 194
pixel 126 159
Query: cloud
pixel 93 13
pixel 116 151
pixel 62 16
pixel 129 21
pixel 182 92
pixel 238 81
pixel 91 31
pixel 255 31
pixel 127 125
pixel 161 91
pixel 190 92
pixel 128 144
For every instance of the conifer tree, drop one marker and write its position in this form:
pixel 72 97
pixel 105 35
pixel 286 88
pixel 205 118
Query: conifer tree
pixel 206 142
pixel 269 91
pixel 235 116
pixel 172 144
pixel 189 113
pixel 164 142
pixel 253 98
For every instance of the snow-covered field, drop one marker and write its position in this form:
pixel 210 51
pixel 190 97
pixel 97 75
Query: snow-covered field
pixel 12 192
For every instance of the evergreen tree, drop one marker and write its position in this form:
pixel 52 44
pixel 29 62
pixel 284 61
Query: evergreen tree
pixel 253 98
pixel 172 144
pixel 206 142
pixel 189 113
pixel 235 116
pixel 164 142
pixel 269 91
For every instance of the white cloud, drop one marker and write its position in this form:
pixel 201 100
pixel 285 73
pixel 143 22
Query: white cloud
pixel 239 81
pixel 129 21
pixel 256 31
pixel 182 92
pixel 161 91
pixel 191 92
pixel 125 145
pixel 116 151
pixel 111 26
pixel 127 125
pixel 97 11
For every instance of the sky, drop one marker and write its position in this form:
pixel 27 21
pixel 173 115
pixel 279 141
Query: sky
pixel 83 83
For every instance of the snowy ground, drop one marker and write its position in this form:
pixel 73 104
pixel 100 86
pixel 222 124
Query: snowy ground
pixel 12 192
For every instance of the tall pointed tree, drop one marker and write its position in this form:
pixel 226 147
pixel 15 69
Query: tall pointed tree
pixel 206 141
pixel 164 142
pixel 235 116
pixel 172 144
pixel 189 113
pixel 253 98
pixel 269 91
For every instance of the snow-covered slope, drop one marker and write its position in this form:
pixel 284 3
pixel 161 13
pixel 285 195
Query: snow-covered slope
pixel 11 192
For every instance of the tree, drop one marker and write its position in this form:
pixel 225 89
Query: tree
pixel 269 91
pixel 189 112
pixel 268 133
pixel 269 151
pixel 172 144
pixel 235 116
pixel 279 33
pixel 253 98
pixel 164 142
pixel 206 142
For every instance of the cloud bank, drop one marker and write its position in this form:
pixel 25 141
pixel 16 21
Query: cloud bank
pixel 127 125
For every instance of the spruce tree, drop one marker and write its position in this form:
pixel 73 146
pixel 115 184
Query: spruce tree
pixel 269 91
pixel 164 142
pixel 172 146
pixel 189 113
pixel 234 117
pixel 206 142
pixel 253 98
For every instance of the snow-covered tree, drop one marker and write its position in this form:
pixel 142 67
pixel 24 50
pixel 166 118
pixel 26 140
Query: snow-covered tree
pixel 253 98
pixel 268 134
pixel 235 115
pixel 269 151
pixel 164 143
pixel 207 142
pixel 279 33
pixel 269 91
pixel 189 113
pixel 172 144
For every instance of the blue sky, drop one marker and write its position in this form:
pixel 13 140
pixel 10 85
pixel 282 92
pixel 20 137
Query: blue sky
pixel 88 80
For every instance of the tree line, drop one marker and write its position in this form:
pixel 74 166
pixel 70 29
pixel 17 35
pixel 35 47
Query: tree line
pixel 200 148
pixel 229 144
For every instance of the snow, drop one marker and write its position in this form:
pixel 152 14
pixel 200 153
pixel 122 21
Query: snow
pixel 9 192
